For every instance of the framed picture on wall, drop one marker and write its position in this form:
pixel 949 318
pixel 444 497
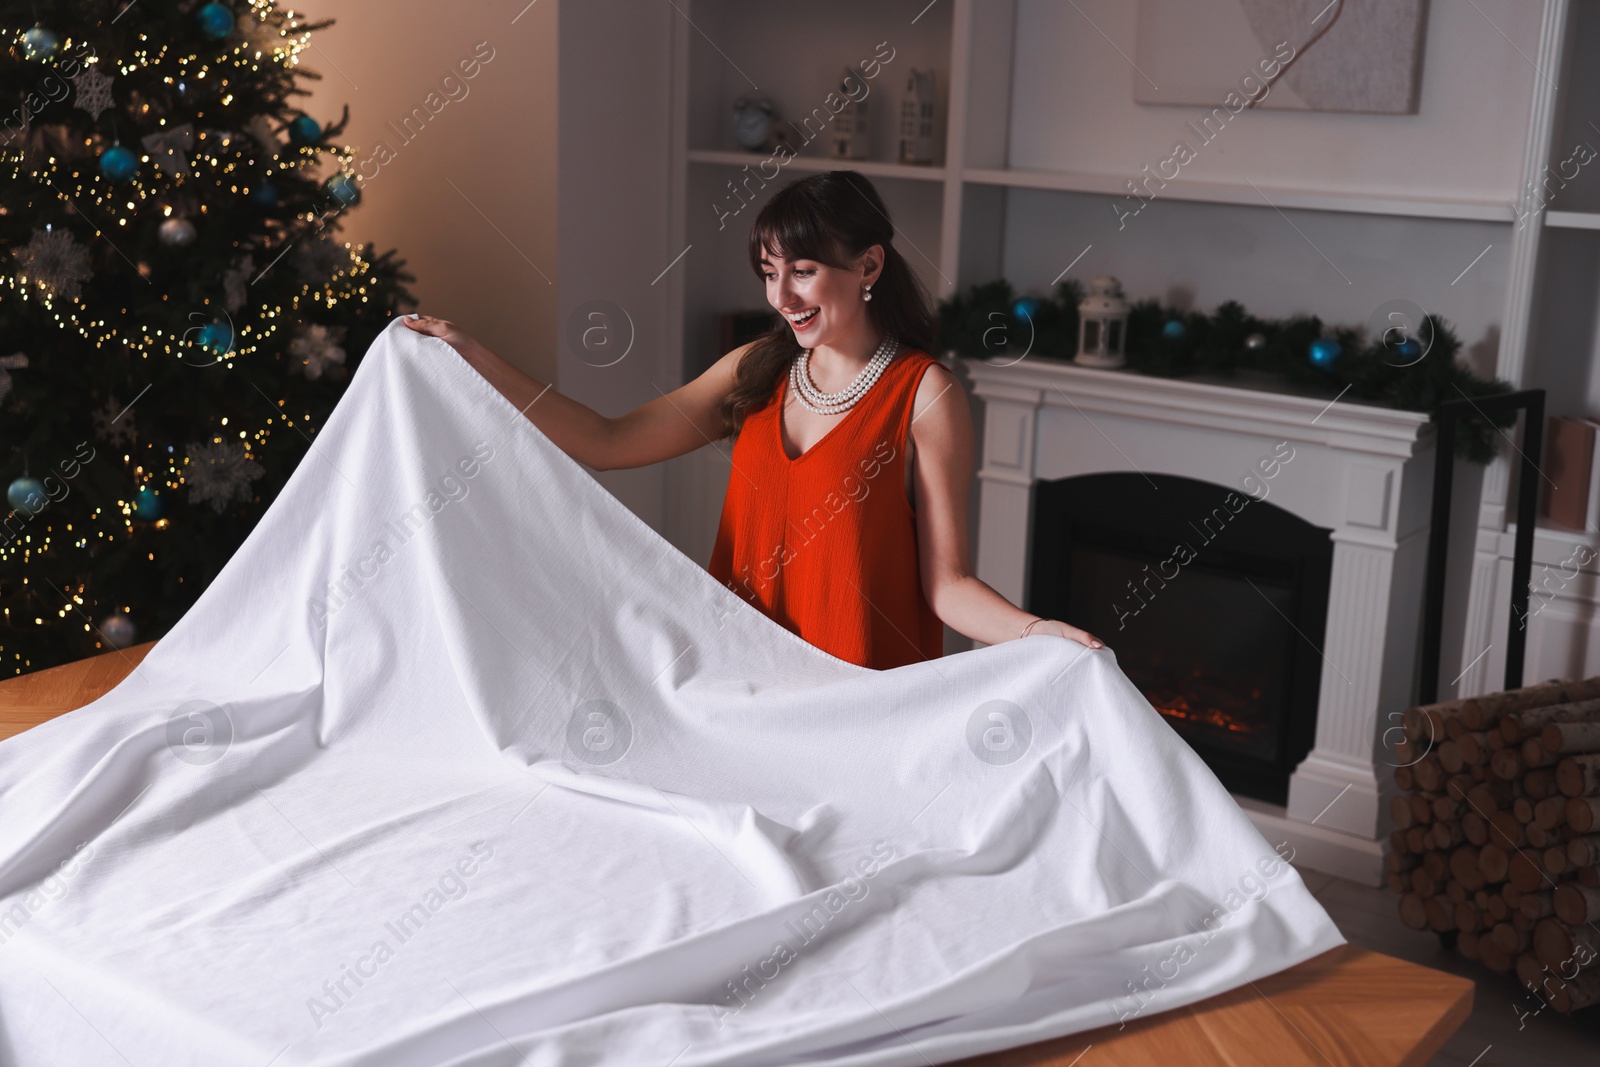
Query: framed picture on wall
pixel 1306 55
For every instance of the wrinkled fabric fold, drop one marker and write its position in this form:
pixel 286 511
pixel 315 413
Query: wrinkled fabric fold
pixel 458 762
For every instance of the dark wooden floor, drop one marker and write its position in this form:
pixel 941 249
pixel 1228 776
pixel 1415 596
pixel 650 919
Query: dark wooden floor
pixel 1504 1030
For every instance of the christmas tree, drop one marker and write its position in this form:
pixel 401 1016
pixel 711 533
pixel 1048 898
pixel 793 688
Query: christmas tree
pixel 177 315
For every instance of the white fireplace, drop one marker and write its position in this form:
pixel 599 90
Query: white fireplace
pixel 1363 472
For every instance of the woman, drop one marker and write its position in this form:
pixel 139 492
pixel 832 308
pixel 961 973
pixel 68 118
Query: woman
pixel 846 514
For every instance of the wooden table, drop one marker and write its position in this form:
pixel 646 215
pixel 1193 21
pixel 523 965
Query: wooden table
pixel 1345 1008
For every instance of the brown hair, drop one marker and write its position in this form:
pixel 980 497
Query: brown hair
pixel 831 218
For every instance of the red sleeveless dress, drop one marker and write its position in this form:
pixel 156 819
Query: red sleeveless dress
pixel 826 544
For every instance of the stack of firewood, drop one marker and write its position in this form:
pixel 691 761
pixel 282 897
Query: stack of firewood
pixel 1497 839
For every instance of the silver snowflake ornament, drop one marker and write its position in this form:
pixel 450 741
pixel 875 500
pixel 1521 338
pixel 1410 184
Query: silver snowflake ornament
pixel 56 262
pixel 234 282
pixel 113 423
pixel 219 472
pixel 92 90
pixel 315 348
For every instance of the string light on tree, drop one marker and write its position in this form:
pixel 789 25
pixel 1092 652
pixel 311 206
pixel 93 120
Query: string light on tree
pixel 169 261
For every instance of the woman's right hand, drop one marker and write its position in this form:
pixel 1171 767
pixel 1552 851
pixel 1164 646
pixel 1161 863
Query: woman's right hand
pixel 1061 629
pixel 448 332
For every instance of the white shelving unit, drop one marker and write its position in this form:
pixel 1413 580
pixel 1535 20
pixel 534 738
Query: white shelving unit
pixel 955 218
pixel 1548 342
pixel 1572 220
pixel 818 164
pixel 1202 192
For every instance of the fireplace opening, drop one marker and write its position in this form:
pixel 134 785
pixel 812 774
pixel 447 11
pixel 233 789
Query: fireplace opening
pixel 1213 601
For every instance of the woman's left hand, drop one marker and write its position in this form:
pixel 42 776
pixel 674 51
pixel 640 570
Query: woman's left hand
pixel 446 331
pixel 1071 633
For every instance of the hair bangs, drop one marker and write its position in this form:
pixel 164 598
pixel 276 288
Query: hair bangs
pixel 791 229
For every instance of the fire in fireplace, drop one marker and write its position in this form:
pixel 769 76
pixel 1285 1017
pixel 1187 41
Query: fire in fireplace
pixel 1213 600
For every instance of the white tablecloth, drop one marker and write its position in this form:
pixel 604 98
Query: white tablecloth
pixel 458 762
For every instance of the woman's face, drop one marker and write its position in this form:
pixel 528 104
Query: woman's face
pixel 822 304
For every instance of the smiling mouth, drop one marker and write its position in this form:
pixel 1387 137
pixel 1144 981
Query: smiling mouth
pixel 803 318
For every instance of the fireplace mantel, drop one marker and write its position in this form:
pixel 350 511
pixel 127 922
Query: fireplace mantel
pixel 1363 472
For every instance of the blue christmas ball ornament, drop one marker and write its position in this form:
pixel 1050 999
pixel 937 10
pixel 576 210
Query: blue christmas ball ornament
pixel 1324 353
pixel 1174 329
pixel 26 494
pixel 147 505
pixel 118 164
pixel 40 43
pixel 305 130
pixel 1025 307
pixel 216 21
pixel 216 337
pixel 264 195
pixel 343 188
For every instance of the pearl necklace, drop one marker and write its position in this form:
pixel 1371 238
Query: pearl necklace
pixel 833 403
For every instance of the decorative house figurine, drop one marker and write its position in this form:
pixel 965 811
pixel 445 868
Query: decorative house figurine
pixel 1102 324
pixel 916 117
pixel 850 124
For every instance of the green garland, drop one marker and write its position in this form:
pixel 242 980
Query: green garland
pixel 989 320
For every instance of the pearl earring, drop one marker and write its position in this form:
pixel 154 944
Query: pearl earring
pixel 866 292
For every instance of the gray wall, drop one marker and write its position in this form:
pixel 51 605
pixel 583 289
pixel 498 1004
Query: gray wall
pixel 615 191
pixel 469 197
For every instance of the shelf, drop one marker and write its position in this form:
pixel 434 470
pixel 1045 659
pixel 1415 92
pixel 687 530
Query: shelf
pixel 1573 220
pixel 816 164
pixel 1181 188
pixel 1178 189
pixel 1553 546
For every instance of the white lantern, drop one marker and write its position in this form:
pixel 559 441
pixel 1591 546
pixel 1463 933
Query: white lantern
pixel 1102 324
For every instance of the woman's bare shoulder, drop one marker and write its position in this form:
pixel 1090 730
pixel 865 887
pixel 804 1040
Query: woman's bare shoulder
pixel 941 398
pixel 937 380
